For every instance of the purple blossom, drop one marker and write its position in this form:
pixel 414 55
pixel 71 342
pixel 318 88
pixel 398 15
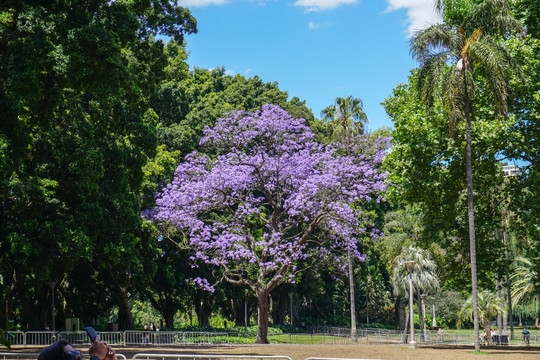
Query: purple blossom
pixel 272 196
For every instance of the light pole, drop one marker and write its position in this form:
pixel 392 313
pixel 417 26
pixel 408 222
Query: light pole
pixel 410 268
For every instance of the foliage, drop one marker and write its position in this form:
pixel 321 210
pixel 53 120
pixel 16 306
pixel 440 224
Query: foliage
pixel 189 102
pixel 489 304
pixel 447 303
pixel 143 314
pixel 76 131
pixel 523 281
pixel 254 210
pixel 346 117
pixel 424 271
pixel 4 340
pixel 404 227
pixel 468 38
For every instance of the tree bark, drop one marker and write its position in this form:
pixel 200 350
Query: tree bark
pixel 406 326
pixel 203 309
pixel 498 292
pixel 470 211
pixel 124 314
pixel 351 292
pixel 262 317
pixel 508 286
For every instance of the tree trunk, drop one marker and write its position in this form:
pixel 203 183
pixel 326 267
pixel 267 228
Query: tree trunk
pixel 406 327
pixel 238 311
pixel 504 314
pixel 420 316
pixel 262 317
pixel 399 319
pixel 279 308
pixel 203 309
pixel 124 314
pixel 470 210
pixel 351 292
pixel 489 339
pixel 537 320
pixel 508 287
pixel 498 292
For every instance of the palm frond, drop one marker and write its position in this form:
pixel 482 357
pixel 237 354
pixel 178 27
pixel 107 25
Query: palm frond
pixel 452 90
pixel 523 285
pixel 488 307
pixel 475 36
pixel 495 61
pixel 430 75
pixel 424 275
pixel 425 43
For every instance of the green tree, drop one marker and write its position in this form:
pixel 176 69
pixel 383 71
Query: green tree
pixel 76 131
pixel 188 102
pixel 489 304
pixel 465 38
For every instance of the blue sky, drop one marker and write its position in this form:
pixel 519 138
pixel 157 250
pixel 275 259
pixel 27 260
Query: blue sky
pixel 316 50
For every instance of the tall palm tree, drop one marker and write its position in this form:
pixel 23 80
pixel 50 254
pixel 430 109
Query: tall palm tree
pixel 489 304
pixel 424 275
pixel 346 119
pixel 467 39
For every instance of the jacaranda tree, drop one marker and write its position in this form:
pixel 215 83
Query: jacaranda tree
pixel 270 199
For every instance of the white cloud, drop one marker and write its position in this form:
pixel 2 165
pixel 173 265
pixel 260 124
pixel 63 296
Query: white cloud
pixel 229 72
pixel 318 5
pixel 201 3
pixel 248 71
pixel 317 26
pixel 420 13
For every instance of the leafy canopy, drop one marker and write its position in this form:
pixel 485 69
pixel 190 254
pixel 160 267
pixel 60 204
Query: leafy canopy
pixel 272 197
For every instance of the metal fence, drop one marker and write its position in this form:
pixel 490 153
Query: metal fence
pixel 188 338
pixel 21 355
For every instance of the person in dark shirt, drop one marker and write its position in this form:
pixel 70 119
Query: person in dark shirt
pixel 526 337
pixel 62 350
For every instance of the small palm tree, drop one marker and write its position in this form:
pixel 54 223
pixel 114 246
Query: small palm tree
pixel 467 39
pixel 424 275
pixel 489 304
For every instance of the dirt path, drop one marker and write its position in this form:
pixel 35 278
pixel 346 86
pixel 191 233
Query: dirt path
pixel 301 352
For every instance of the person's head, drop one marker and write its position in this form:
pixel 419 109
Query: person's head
pixel 60 350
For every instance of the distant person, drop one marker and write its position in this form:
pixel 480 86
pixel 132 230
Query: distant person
pixel 483 336
pixel 145 336
pixel 526 337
